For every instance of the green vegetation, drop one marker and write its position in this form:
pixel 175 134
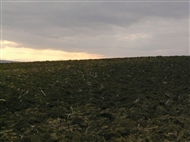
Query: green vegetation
pixel 143 99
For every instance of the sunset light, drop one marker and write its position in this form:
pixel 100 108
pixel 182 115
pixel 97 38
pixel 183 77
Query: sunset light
pixel 13 52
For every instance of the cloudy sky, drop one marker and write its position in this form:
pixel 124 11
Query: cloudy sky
pixel 62 30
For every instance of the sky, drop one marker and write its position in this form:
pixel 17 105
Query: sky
pixel 64 30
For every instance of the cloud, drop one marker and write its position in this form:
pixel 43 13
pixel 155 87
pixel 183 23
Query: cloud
pixel 111 29
pixel 6 43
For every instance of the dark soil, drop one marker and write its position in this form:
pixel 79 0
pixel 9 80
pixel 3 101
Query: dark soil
pixel 145 99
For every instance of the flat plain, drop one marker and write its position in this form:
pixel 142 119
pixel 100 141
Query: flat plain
pixel 143 99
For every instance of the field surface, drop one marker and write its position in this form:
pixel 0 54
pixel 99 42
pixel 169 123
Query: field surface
pixel 143 99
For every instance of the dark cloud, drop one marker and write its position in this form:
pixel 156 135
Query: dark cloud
pixel 109 28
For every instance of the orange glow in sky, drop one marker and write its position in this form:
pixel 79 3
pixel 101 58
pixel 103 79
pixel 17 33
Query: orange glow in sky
pixel 14 52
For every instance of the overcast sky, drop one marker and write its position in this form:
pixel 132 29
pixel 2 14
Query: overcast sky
pixel 93 29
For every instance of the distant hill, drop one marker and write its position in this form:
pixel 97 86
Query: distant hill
pixel 7 61
pixel 144 99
